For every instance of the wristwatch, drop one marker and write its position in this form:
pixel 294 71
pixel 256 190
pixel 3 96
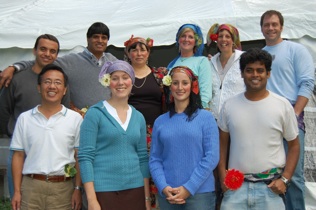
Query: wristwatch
pixel 78 188
pixel 285 180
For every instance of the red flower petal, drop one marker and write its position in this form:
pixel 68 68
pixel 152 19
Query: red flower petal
pixel 233 179
pixel 214 37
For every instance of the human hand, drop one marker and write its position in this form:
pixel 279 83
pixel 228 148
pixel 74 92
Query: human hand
pixel 277 186
pixel 179 195
pixel 6 76
pixel 76 200
pixel 16 201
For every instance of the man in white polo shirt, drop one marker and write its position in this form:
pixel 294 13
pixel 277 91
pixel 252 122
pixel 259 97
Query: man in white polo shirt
pixel 45 142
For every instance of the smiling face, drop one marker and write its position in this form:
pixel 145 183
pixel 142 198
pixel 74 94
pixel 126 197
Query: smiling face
pixel 187 41
pixel 138 55
pixel 97 44
pixel 255 77
pixel 180 87
pixel 120 84
pixel 271 29
pixel 225 41
pixel 52 87
pixel 46 52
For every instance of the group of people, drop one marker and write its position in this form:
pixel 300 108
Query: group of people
pixel 90 131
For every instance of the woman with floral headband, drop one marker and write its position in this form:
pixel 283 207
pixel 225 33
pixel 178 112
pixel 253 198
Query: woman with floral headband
pixel 227 80
pixel 113 155
pixel 147 94
pixel 185 147
pixel 226 75
pixel 189 40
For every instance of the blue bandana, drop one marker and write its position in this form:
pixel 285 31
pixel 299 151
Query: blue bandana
pixel 199 42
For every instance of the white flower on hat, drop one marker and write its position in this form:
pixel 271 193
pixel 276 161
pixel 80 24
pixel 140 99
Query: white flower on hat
pixel 105 80
pixel 166 80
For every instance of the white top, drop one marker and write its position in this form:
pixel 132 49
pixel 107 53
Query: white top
pixel 114 114
pixel 232 82
pixel 257 129
pixel 48 143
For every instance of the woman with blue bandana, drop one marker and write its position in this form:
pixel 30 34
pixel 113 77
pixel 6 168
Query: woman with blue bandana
pixel 189 40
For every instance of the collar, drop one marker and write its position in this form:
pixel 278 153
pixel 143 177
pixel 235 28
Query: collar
pixel 98 62
pixel 63 111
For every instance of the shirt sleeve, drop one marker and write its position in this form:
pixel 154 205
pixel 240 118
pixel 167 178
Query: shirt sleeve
pixel 155 159
pixel 87 145
pixel 205 82
pixel 211 155
pixel 305 70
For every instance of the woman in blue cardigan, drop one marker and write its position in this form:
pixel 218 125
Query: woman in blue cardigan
pixel 112 154
pixel 185 147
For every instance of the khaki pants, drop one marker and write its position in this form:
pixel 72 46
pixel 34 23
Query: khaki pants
pixel 42 195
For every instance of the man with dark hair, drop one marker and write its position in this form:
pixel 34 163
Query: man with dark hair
pixel 256 122
pixel 45 144
pixel 82 68
pixel 22 94
pixel 293 78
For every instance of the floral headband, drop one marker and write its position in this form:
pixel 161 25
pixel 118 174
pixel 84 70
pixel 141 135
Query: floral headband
pixel 148 42
pixel 212 34
pixel 167 80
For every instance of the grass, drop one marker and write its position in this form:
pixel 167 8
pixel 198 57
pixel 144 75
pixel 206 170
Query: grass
pixel 5 204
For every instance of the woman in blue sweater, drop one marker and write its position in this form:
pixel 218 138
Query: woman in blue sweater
pixel 112 154
pixel 185 147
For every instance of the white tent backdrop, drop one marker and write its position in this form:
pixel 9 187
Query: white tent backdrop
pixel 21 22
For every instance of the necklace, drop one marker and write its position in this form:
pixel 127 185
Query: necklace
pixel 141 84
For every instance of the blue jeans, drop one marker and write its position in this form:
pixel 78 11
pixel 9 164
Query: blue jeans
pixel 295 192
pixel 200 201
pixel 9 174
pixel 252 196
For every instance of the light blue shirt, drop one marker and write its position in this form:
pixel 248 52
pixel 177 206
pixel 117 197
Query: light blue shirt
pixel 292 73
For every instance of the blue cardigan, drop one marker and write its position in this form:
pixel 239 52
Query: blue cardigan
pixel 109 156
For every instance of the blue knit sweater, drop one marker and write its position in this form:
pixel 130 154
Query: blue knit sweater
pixel 184 153
pixel 109 156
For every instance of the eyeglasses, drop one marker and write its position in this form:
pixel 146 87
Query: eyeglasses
pixel 56 82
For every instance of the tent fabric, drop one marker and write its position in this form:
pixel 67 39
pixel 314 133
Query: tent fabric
pixel 22 21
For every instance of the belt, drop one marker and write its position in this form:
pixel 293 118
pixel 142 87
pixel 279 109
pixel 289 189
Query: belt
pixel 48 178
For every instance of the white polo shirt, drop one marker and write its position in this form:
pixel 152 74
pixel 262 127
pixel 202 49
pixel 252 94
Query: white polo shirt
pixel 48 143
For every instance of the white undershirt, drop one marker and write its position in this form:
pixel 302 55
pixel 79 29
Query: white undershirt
pixel 114 114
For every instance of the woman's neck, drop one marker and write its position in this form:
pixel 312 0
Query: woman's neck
pixel 187 54
pixel 119 104
pixel 180 106
pixel 224 57
pixel 141 71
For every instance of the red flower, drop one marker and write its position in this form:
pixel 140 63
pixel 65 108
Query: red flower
pixel 214 37
pixel 150 42
pixel 233 179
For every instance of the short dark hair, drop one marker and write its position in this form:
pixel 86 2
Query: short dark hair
pixel 50 67
pixel 98 28
pixel 269 13
pixel 49 37
pixel 255 54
